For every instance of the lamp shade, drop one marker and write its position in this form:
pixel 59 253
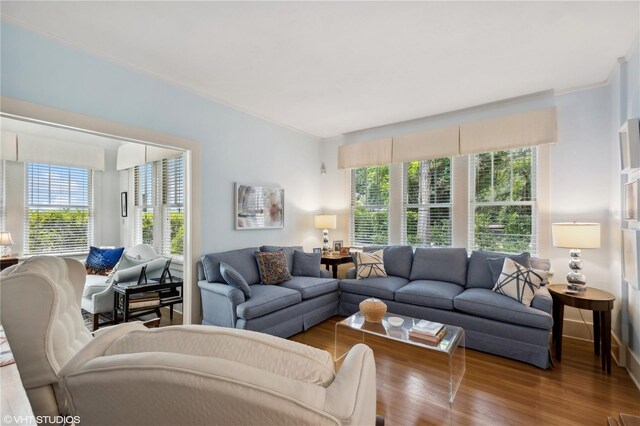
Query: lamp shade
pixel 5 238
pixel 326 221
pixel 576 235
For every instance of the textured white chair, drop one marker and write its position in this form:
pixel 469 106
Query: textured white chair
pixel 97 296
pixel 130 375
pixel 40 313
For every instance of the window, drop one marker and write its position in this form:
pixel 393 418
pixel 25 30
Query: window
pixel 159 205
pixel 59 213
pixel 370 205
pixel 173 206
pixel 144 201
pixel 426 204
pixel 503 200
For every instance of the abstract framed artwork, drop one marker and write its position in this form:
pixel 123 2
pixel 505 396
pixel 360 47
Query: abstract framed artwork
pixel 631 201
pixel 630 242
pixel 259 207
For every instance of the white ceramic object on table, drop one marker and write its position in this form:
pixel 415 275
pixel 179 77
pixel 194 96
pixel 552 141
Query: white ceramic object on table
pixel 395 321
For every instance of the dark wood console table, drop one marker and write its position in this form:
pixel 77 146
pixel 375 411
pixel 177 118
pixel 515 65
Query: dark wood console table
pixel 168 291
pixel 334 260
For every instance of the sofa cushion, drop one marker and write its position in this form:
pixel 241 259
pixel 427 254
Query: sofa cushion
pixel 518 282
pixel 266 299
pixel 479 272
pixel 488 304
pixel 440 264
pixel 273 267
pixel 311 287
pixel 306 264
pixel 288 251
pixel 397 259
pixel 370 265
pixel 243 261
pixel 94 284
pixel 234 279
pixel 381 287
pixel 101 261
pixel 433 294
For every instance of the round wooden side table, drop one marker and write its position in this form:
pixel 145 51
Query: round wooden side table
pixel 598 301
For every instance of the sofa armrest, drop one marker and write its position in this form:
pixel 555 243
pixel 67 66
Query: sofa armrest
pixel 351 274
pixel 352 395
pixel 542 300
pixel 325 274
pixel 219 303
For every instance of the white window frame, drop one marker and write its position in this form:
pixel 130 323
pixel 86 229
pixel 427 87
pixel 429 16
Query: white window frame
pixel 473 204
pixel 89 207
pixel 425 205
pixel 370 207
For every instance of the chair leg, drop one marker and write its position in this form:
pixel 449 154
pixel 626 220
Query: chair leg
pixel 96 322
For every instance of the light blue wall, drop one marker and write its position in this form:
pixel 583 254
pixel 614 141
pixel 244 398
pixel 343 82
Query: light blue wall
pixel 235 146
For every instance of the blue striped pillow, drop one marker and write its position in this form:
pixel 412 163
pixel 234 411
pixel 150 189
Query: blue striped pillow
pixel 101 261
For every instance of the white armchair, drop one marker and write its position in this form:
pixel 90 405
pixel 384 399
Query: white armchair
pixel 97 297
pixel 173 375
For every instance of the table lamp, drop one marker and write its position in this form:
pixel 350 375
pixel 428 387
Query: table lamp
pixel 5 242
pixel 576 236
pixel 325 222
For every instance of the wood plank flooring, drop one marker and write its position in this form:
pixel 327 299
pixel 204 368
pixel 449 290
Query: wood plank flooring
pixel 495 390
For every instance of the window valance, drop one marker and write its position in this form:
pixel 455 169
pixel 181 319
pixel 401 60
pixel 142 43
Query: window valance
pixel 37 149
pixel 427 145
pixel 133 154
pixel 514 131
pixel 370 153
pixel 503 133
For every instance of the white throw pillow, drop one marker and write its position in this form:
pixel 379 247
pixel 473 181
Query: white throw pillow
pixel 518 282
pixel 370 265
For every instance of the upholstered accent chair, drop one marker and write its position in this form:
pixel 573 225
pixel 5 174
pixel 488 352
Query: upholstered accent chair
pixel 172 375
pixel 97 296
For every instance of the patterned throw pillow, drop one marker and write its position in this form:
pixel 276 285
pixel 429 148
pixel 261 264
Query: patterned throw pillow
pixel 273 267
pixel 370 265
pixel 518 282
pixel 101 261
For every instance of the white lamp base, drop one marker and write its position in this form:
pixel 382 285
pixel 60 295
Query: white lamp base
pixel 325 240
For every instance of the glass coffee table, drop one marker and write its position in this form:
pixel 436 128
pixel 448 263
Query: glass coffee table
pixel 444 363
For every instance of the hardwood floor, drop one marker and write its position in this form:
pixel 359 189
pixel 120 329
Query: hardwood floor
pixel 495 390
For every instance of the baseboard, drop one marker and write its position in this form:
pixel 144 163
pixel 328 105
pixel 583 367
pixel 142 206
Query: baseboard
pixel 621 354
pixel 633 367
pixel 577 329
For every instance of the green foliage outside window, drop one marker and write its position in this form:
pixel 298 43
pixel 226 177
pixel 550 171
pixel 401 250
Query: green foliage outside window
pixel 371 198
pixel 51 230
pixel 177 233
pixel 504 177
pixel 147 227
pixel 428 182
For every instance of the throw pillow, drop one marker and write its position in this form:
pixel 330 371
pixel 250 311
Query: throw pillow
pixel 370 265
pixel 234 279
pixel 518 282
pixel 101 261
pixel 496 263
pixel 273 267
pixel 306 264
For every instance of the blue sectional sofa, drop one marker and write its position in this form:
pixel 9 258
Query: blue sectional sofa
pixel 444 285
pixel 438 284
pixel 281 310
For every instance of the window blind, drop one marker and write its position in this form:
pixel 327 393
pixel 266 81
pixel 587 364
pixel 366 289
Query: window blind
pixel 173 206
pixel 502 195
pixel 369 206
pixel 144 203
pixel 59 213
pixel 426 205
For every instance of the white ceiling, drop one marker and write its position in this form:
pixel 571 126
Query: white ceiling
pixel 327 68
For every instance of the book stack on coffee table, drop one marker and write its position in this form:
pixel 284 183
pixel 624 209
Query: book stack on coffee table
pixel 428 331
